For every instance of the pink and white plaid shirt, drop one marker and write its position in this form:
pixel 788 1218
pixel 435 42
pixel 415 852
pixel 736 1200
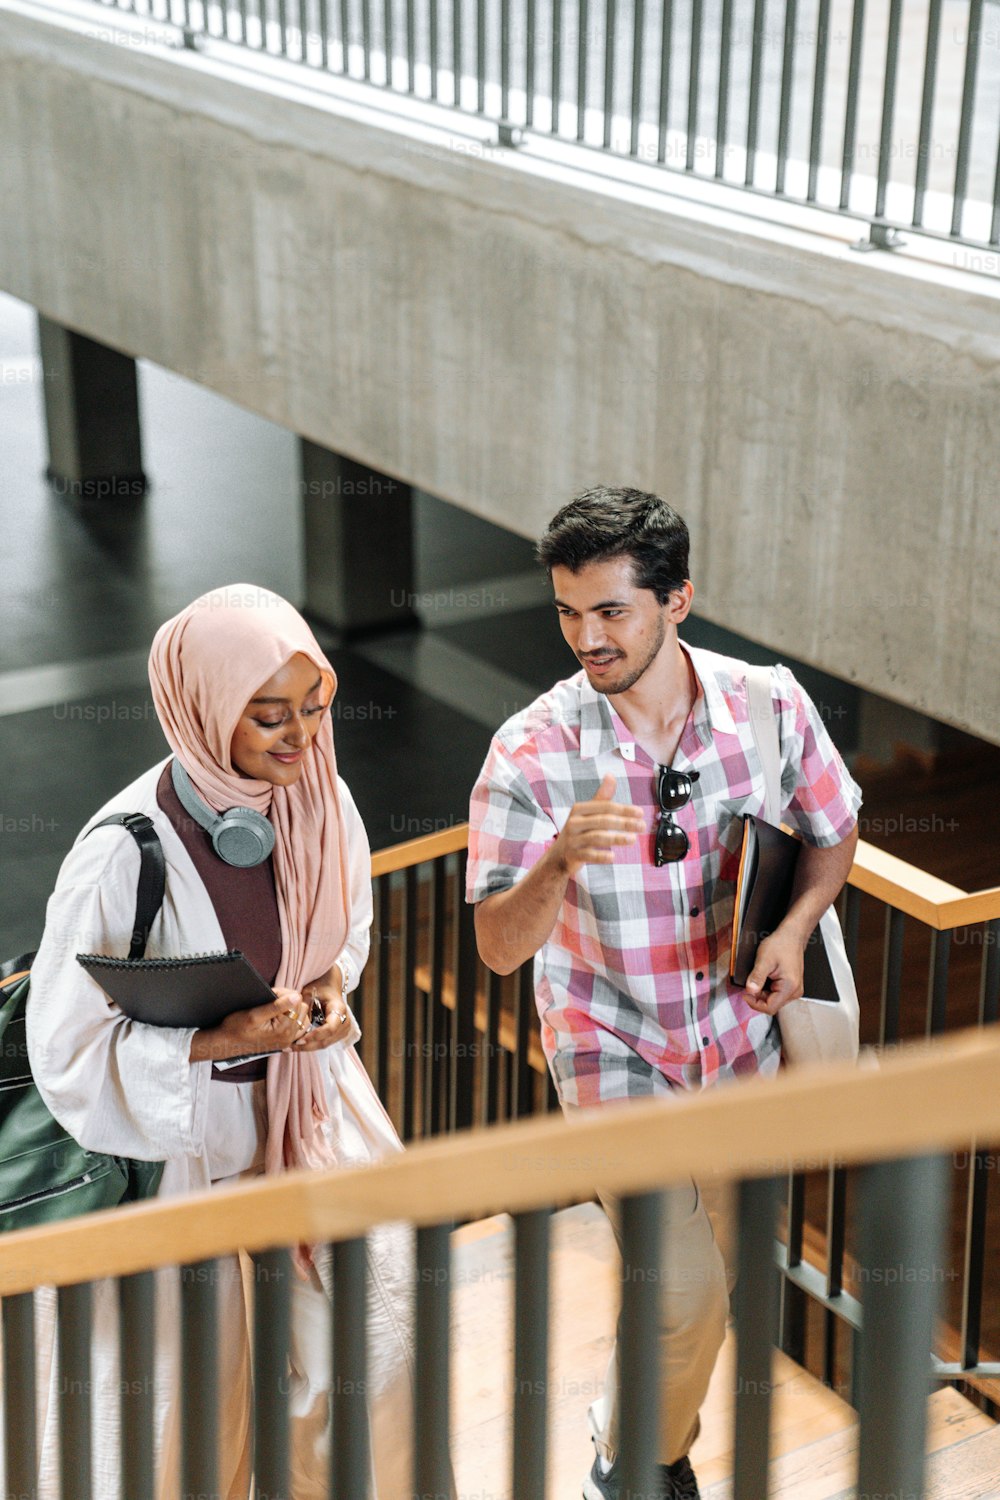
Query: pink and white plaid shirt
pixel 633 986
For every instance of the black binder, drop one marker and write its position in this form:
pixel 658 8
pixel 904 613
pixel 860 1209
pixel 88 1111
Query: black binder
pixel 197 991
pixel 763 895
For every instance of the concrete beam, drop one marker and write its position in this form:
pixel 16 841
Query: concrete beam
pixel 501 331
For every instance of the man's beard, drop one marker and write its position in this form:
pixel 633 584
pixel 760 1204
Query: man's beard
pixel 611 689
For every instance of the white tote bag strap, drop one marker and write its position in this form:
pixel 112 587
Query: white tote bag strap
pixel 764 727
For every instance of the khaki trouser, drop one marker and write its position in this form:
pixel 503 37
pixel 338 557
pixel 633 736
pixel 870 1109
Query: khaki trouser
pixel 697 1273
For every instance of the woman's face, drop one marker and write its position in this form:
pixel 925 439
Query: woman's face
pixel 278 725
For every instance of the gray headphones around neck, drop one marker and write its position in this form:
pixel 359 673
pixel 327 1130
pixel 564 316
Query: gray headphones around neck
pixel 239 835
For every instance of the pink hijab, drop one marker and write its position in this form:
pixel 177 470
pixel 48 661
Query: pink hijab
pixel 204 667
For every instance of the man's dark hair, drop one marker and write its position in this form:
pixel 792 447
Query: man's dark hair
pixel 604 523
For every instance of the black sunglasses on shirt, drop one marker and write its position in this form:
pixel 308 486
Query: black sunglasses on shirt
pixel 673 791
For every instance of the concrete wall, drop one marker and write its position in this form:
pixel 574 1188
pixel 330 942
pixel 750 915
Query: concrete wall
pixel 500 332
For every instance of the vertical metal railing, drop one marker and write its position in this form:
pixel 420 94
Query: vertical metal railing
pixel 927 128
pixel 903 1208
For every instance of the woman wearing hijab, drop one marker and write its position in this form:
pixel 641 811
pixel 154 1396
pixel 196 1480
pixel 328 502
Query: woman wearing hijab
pixel 243 692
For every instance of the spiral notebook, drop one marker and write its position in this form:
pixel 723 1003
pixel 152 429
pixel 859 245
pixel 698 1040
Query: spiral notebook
pixel 200 990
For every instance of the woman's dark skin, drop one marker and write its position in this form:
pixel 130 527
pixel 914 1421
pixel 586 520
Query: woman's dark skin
pixel 282 719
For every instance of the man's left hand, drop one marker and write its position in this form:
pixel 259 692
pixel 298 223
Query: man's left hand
pixel 776 976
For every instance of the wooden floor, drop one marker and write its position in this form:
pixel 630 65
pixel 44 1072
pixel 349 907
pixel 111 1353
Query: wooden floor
pixel 813 1435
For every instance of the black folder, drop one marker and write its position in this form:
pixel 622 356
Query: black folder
pixel 763 895
pixel 197 991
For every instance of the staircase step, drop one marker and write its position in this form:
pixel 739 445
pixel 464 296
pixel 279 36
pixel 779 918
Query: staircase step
pixel 826 1469
pixel 813 1431
pixel 967 1471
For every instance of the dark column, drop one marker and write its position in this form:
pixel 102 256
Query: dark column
pixel 359 544
pixel 92 415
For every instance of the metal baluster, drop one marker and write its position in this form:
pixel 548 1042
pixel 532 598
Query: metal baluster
pixel 979 1179
pixel 937 989
pixel 557 6
pixel 366 39
pixel 431 1466
pixel 411 46
pixel 435 1010
pixel 505 59
pixel 836 1232
pixel 694 74
pixel 892 976
pixel 529 65
pixel 385 935
pixel 434 42
pixel 666 51
pixel 481 56
pixel 272 1327
pixel 968 106
pixel 785 107
pixel 639 1340
pixel 466 973
pixel 388 24
pixel 926 110
pixel 753 106
pixel 531 1351
pixel 888 113
pixel 638 30
pixel 610 23
pixel 74 1321
pixel 903 1207
pixel 350 1466
pixel 456 48
pixel 345 39
pixel 525 1016
pixel 409 1051
pixel 494 993
pixel 581 69
pixel 200 1386
pixel 19 1395
pixel 851 106
pixel 137 1348
pixel 283 27
pixel 793 1298
pixel 324 34
pixel 818 98
pixel 756 1307
pixel 722 112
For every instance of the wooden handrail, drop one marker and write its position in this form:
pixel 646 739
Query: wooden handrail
pixel 417 851
pixel 904 886
pixel 926 1097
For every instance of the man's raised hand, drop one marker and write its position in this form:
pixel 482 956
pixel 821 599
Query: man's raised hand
pixel 593 830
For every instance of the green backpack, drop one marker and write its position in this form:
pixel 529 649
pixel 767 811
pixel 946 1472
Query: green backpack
pixel 45 1174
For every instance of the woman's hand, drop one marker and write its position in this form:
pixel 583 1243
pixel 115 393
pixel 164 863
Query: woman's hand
pixel 266 1028
pixel 329 993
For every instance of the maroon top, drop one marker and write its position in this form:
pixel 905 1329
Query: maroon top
pixel 245 901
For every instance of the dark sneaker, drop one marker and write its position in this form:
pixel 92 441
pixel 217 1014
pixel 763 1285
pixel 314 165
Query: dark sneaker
pixel 674 1481
pixel 679 1481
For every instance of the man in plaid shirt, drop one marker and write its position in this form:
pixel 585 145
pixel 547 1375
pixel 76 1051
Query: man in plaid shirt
pixel 604 839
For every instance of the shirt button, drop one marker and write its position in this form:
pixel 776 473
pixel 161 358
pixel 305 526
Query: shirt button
pixel 704 1041
pixel 694 911
pixel 700 974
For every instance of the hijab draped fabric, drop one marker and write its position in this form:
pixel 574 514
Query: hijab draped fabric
pixel 204 667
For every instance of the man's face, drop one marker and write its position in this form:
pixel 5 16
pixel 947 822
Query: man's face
pixel 615 629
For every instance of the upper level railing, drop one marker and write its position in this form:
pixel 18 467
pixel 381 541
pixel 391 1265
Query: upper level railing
pixel 873 109
pixel 911 938
pixel 927 1098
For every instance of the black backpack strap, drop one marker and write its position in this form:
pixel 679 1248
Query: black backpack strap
pixel 152 874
